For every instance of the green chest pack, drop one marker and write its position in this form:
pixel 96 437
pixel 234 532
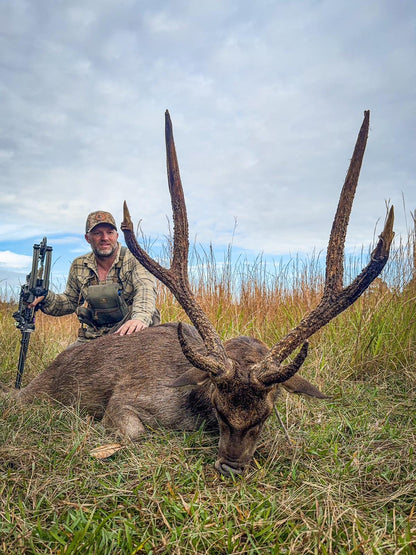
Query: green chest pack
pixel 105 305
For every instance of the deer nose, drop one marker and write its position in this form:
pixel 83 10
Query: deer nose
pixel 227 468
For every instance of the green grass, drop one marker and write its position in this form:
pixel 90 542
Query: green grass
pixel 344 482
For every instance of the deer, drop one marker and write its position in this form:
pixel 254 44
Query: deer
pixel 182 376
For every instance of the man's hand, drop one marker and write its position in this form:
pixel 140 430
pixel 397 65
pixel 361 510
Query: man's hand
pixel 36 301
pixel 130 326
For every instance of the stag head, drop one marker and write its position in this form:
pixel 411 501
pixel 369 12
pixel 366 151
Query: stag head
pixel 244 374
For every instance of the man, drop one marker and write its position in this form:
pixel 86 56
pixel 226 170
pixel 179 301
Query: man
pixel 110 291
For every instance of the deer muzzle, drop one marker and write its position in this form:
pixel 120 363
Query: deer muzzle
pixel 228 468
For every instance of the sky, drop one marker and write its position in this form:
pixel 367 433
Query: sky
pixel 266 99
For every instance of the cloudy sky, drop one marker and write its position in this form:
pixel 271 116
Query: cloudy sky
pixel 266 99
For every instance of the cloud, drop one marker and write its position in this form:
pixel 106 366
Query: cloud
pixel 15 261
pixel 266 100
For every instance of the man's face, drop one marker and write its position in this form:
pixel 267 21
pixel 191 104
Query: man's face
pixel 103 240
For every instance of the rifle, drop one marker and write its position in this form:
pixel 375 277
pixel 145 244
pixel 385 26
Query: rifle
pixel 37 284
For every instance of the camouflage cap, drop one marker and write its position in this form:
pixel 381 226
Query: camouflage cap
pixel 99 217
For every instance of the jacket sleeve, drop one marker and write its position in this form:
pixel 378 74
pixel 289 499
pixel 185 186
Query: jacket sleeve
pixel 144 292
pixel 64 303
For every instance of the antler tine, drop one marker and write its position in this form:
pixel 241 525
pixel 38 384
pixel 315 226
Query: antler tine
pixel 176 277
pixel 335 298
pixel 179 261
pixel 335 252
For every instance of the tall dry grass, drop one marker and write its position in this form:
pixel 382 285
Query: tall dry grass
pixel 345 482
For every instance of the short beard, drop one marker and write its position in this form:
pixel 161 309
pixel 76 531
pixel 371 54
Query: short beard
pixel 100 254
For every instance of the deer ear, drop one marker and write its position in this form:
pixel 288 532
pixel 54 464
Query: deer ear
pixel 296 384
pixel 194 376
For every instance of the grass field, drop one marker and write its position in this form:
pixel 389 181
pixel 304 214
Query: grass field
pixel 344 481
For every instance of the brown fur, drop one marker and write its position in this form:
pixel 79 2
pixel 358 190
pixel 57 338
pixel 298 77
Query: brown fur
pixel 145 380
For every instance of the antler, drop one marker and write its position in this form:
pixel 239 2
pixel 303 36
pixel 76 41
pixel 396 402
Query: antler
pixel 335 298
pixel 176 278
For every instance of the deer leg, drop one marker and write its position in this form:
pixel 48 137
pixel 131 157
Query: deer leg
pixel 123 419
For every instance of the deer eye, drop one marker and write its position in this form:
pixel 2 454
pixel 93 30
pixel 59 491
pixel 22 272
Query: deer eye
pixel 254 430
pixel 222 417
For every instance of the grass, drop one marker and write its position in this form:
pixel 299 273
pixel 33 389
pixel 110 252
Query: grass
pixel 344 482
